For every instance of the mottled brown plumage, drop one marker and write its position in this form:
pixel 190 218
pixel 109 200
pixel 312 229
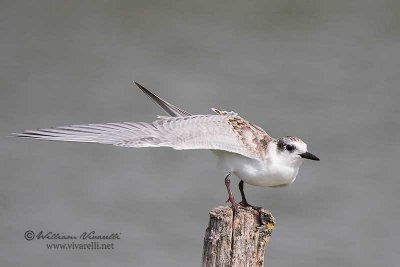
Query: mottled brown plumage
pixel 251 136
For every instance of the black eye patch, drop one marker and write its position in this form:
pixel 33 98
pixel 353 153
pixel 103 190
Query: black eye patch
pixel 281 145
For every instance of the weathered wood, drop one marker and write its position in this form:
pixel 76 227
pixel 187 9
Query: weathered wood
pixel 239 240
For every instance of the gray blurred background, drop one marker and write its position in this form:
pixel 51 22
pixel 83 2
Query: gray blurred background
pixel 327 71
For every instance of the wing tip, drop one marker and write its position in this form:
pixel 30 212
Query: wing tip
pixel 25 134
pixel 16 135
pixel 139 85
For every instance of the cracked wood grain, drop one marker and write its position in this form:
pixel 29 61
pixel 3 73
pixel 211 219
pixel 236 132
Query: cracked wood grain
pixel 237 240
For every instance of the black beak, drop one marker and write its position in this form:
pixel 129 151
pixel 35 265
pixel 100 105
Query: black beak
pixel 308 155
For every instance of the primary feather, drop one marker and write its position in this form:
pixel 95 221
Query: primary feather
pixel 172 110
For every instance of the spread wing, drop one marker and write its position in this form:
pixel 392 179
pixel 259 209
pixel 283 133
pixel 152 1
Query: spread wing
pixel 226 131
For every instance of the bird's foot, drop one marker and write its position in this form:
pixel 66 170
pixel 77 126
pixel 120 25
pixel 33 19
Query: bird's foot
pixel 245 204
pixel 235 206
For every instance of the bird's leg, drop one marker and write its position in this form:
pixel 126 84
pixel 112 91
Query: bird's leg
pixel 231 199
pixel 244 202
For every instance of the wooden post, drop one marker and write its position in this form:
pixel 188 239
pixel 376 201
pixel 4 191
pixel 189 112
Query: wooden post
pixel 237 241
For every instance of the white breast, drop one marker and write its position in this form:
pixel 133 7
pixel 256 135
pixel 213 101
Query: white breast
pixel 257 172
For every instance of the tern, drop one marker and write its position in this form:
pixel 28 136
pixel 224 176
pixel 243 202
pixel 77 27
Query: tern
pixel 243 149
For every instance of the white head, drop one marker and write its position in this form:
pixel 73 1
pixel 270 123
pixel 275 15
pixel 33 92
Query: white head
pixel 291 150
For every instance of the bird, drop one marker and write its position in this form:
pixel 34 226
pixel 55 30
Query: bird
pixel 242 148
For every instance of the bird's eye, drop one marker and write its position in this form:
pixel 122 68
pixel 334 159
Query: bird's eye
pixel 290 148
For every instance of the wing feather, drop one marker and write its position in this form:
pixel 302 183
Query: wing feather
pixel 172 110
pixel 191 132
